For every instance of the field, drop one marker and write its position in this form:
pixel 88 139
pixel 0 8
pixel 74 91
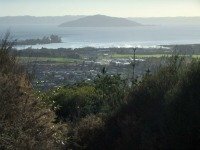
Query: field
pixel 146 56
pixel 63 60
pixel 137 56
pixel 49 59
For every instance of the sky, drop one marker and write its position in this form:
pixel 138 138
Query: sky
pixel 118 8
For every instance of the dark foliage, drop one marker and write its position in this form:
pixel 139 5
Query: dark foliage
pixel 162 112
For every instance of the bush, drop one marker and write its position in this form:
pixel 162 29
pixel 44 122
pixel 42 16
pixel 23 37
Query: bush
pixel 87 129
pixel 183 109
pixel 161 113
pixel 73 103
pixel 113 90
pixel 25 122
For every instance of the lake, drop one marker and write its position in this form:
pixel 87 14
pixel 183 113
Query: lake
pixel 75 37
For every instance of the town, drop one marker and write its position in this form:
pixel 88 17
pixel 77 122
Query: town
pixel 53 68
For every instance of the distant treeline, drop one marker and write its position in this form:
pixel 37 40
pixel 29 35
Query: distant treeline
pixel 193 49
pixel 45 40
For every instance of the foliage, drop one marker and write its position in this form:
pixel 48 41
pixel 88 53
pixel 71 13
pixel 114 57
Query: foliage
pixel 85 130
pixel 105 95
pixel 162 112
pixel 72 103
pixel 113 90
pixel 7 58
pixel 183 109
pixel 25 122
pixel 84 107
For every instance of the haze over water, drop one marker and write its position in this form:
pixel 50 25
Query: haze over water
pixel 76 37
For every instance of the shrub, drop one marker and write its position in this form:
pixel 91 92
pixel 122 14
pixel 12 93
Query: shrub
pixel 183 109
pixel 25 122
pixel 113 90
pixel 162 112
pixel 73 103
pixel 87 129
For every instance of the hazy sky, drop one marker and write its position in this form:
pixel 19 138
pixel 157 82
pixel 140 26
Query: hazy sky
pixel 122 8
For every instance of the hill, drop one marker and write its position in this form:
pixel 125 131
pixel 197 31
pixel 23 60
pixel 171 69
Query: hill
pixel 100 21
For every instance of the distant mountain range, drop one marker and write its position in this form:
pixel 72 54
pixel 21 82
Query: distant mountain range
pixel 100 21
pixel 168 20
pixel 54 20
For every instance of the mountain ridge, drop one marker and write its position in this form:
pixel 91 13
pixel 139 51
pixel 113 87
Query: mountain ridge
pixel 57 20
pixel 38 20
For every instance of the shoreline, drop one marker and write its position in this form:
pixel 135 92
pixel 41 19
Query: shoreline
pixel 159 46
pixel 48 46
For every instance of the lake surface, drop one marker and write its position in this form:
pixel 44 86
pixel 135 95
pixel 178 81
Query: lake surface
pixel 75 37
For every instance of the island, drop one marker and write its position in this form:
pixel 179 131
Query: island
pixel 45 40
pixel 100 21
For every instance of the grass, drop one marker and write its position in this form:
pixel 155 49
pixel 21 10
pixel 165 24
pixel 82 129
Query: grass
pixel 137 55
pixel 49 59
pixel 196 56
pixel 144 56
pixel 71 61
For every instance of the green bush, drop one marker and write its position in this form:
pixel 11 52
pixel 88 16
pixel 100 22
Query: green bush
pixel 113 91
pixel 72 103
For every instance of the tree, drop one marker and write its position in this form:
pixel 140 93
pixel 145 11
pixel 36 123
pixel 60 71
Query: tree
pixel 55 39
pixel 113 90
